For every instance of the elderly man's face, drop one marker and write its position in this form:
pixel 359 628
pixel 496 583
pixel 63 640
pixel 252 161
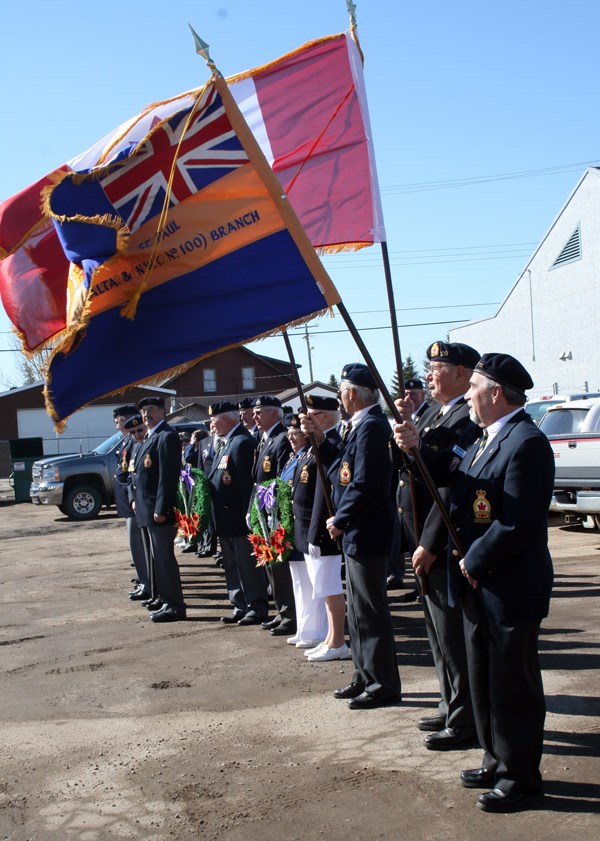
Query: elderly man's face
pixel 120 423
pixel 246 417
pixel 480 398
pixel 152 415
pixel 265 417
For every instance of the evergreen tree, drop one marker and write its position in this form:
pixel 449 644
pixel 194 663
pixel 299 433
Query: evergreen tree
pixel 333 382
pixel 410 373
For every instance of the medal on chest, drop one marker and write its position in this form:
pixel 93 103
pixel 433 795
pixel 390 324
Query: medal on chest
pixel 345 473
pixel 147 460
pixel 124 461
pixel 482 508
pixel 223 463
pixel 266 465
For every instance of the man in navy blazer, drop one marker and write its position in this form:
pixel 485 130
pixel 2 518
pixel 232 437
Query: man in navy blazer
pixel 231 484
pixel 499 497
pixel 154 483
pixel 360 473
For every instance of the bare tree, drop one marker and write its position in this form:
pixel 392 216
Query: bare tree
pixel 26 369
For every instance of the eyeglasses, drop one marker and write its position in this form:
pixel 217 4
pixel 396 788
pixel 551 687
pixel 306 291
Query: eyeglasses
pixel 434 369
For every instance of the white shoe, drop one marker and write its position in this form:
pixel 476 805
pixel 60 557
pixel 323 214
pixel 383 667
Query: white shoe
pixel 310 651
pixel 341 653
pixel 308 643
pixel 293 640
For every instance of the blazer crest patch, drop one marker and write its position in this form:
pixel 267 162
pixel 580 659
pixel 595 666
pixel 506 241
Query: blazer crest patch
pixel 304 477
pixel 226 477
pixel 345 474
pixel 482 508
pixel 147 460
pixel 266 465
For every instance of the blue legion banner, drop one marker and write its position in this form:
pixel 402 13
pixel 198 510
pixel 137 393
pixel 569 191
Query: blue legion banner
pixel 179 247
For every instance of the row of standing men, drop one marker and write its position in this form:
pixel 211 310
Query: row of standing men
pixel 477 671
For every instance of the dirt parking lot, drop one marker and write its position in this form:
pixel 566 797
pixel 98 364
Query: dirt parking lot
pixel 114 728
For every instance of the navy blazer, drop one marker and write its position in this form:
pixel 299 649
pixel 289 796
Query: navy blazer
pixel 310 509
pixel 361 475
pixel 274 455
pixel 499 504
pixel 440 432
pixel 155 478
pixel 231 483
pixel 123 476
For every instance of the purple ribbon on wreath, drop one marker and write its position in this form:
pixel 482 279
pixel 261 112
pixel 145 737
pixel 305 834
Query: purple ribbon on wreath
pixel 187 479
pixel 266 496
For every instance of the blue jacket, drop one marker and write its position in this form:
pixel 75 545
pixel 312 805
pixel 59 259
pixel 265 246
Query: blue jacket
pixel 360 473
pixel 499 505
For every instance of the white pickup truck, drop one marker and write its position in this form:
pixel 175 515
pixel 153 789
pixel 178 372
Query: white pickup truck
pixel 573 430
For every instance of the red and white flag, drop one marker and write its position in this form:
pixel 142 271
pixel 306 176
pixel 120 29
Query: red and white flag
pixel 308 111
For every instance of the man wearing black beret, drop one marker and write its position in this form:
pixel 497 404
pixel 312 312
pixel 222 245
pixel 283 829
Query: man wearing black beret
pixel 360 473
pixel 154 483
pixel 450 369
pixel 500 490
pixel 231 484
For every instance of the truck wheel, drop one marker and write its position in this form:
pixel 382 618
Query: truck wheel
pixel 83 502
pixel 62 509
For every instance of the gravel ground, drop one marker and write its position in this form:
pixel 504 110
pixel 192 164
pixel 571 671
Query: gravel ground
pixel 114 728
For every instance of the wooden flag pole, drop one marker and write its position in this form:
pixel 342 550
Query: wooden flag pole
pixel 427 478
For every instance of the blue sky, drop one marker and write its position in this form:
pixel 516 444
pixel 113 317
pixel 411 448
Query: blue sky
pixel 458 92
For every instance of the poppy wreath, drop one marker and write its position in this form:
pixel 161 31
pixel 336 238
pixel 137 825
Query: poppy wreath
pixel 272 522
pixel 193 512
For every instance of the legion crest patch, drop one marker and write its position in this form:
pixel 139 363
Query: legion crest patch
pixel 345 474
pixel 482 508
pixel 147 460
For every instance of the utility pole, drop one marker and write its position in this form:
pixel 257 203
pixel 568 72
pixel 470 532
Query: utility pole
pixel 308 348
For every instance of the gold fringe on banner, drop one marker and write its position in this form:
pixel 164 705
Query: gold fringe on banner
pixel 169 373
pixel 276 62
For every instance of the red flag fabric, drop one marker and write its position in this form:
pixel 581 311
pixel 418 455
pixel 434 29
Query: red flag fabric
pixel 308 110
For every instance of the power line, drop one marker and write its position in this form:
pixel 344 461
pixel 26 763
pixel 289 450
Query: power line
pixel 425 186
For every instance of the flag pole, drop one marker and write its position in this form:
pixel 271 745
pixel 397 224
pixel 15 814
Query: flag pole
pixel 351 7
pixel 418 459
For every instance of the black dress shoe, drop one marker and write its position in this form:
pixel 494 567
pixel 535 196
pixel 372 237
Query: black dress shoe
pixel 136 581
pixel 284 630
pixel 249 619
pixel 411 596
pixel 353 690
pixel 431 722
pixel 497 800
pixel 269 624
pixel 189 547
pixel 394 583
pixel 371 700
pixel 477 778
pixel 153 604
pixel 451 738
pixel 232 620
pixel 168 614
pixel 139 595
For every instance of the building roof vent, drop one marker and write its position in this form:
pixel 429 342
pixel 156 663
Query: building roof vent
pixel 571 251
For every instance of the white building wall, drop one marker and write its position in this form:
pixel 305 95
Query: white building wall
pixel 550 312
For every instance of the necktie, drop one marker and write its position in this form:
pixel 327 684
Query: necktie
pixel 346 432
pixel 262 442
pixel 482 445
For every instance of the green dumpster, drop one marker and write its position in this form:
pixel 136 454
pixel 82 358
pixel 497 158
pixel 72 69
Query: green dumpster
pixel 23 453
